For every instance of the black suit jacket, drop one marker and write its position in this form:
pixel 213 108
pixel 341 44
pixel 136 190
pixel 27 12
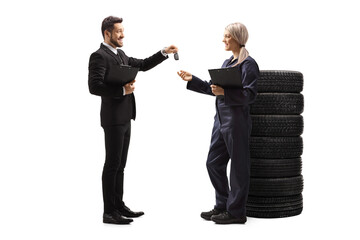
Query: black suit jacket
pixel 115 107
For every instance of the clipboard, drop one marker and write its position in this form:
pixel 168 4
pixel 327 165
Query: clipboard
pixel 121 74
pixel 226 77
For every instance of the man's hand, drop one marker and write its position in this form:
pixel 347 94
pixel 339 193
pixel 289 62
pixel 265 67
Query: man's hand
pixel 171 49
pixel 185 75
pixel 217 90
pixel 129 87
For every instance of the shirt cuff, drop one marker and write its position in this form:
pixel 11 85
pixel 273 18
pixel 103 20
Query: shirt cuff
pixel 123 91
pixel 163 52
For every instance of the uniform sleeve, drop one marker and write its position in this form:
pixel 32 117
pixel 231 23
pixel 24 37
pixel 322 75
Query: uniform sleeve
pixel 200 86
pixel 97 69
pixel 247 94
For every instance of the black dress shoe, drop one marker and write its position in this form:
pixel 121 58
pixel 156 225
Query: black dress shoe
pixel 227 218
pixel 115 218
pixel 125 211
pixel 209 214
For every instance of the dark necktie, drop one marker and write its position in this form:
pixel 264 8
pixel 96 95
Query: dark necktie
pixel 118 56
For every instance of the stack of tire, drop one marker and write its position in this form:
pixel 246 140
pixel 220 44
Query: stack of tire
pixel 276 146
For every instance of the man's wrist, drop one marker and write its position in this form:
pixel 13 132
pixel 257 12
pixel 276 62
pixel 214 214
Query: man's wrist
pixel 163 52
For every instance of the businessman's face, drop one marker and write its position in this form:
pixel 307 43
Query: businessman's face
pixel 230 43
pixel 117 35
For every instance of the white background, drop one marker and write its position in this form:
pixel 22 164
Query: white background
pixel 52 145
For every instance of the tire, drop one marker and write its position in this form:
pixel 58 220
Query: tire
pixel 275 168
pixel 277 125
pixel 276 187
pixel 280 81
pixel 276 147
pixel 278 104
pixel 276 212
pixel 273 201
pixel 274 207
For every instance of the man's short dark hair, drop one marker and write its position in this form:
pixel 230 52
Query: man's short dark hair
pixel 108 24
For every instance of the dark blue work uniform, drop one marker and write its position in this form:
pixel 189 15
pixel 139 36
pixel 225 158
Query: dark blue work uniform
pixel 230 137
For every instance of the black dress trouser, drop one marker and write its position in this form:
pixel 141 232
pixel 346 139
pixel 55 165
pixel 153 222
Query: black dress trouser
pixel 117 139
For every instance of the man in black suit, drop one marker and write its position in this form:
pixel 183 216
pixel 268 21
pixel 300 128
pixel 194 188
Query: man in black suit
pixel 117 110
